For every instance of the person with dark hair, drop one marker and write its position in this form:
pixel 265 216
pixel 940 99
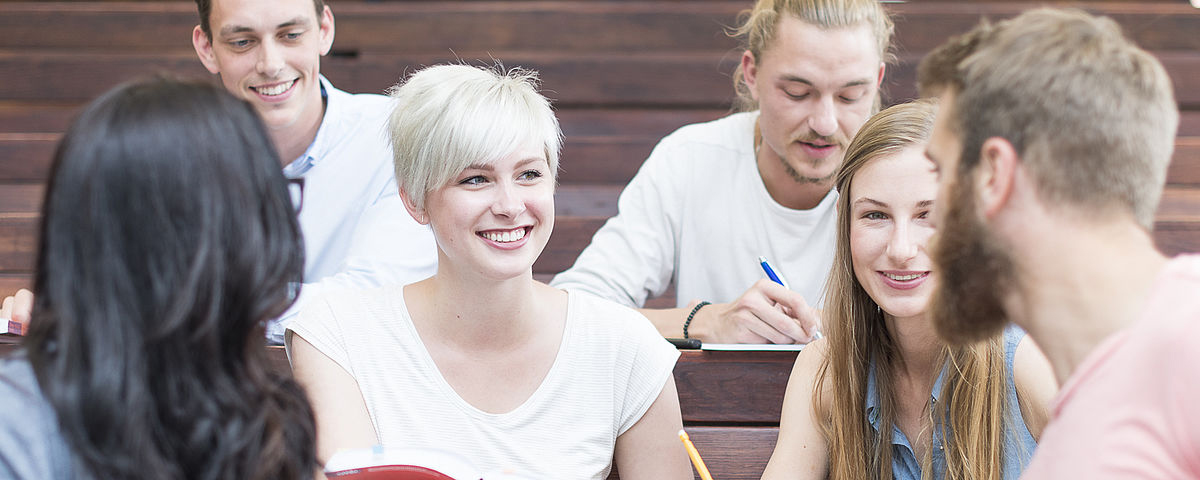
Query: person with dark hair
pixel 356 230
pixel 168 239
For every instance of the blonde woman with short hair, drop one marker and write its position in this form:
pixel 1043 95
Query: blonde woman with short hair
pixel 481 359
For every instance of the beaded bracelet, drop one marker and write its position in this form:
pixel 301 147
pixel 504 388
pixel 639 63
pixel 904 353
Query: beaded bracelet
pixel 691 316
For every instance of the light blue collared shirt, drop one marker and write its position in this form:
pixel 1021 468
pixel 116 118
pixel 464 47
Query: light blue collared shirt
pixel 357 232
pixel 1018 442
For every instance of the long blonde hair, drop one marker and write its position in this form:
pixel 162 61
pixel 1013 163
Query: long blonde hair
pixel 972 407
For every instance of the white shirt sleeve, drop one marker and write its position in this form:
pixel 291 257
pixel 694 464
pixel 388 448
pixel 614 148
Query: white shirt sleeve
pixel 632 257
pixel 648 365
pixel 319 326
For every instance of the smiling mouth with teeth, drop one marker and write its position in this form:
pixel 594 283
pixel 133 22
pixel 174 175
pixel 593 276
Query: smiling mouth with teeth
pixel 275 90
pixel 904 278
pixel 505 236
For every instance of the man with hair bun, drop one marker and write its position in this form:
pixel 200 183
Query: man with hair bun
pixel 714 197
pixel 1052 144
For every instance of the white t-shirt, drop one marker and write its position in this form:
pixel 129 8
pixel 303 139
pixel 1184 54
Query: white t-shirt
pixel 610 368
pixel 697 212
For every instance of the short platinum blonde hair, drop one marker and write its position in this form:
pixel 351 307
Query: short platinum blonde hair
pixel 1092 115
pixel 449 117
pixel 757 30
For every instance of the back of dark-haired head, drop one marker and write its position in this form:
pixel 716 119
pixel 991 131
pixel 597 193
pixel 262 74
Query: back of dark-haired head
pixel 204 8
pixel 168 237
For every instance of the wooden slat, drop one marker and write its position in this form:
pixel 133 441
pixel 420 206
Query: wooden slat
pixel 718 387
pixel 616 80
pixel 922 26
pixel 18 242
pixel 658 80
pixel 1189 123
pixel 395 27
pixel 11 282
pixel 39 117
pixel 734 453
pixel 21 198
pixel 36 117
pixel 900 82
pixel 27 117
pixel 1185 162
pixel 613 26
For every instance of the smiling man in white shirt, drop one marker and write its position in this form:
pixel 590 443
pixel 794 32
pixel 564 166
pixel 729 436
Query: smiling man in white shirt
pixel 356 230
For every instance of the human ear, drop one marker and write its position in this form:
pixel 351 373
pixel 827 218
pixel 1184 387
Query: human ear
pixel 995 175
pixel 750 73
pixel 326 30
pixel 204 50
pixel 418 214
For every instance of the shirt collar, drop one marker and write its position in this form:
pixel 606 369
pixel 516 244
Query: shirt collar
pixel 872 400
pixel 312 156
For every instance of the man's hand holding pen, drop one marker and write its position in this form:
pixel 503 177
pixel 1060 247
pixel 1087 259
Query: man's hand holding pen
pixel 766 313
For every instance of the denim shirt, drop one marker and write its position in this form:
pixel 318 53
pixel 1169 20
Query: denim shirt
pixel 1018 442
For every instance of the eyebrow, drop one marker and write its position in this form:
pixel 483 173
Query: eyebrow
pixel 920 204
pixel 853 83
pixel 487 167
pixel 235 29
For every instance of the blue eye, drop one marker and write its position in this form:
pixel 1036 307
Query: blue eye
pixel 875 216
pixel 473 180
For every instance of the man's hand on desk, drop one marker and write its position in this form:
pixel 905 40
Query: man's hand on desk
pixel 765 313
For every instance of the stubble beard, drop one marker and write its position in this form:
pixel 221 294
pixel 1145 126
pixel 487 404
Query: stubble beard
pixel 976 272
pixel 804 179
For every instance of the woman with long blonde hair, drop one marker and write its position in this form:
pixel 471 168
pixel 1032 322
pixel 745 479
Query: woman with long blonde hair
pixel 882 396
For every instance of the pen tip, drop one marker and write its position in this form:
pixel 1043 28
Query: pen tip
pixel 762 259
pixel 683 435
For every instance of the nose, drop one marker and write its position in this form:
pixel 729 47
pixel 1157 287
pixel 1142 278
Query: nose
pixel 507 201
pixel 903 245
pixel 823 120
pixel 270 59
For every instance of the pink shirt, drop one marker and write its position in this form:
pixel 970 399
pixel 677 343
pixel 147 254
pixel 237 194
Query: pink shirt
pixel 1132 407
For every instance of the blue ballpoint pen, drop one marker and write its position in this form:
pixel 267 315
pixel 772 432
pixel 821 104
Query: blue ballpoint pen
pixel 777 278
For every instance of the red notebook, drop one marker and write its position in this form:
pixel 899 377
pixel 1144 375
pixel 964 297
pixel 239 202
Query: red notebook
pixel 381 463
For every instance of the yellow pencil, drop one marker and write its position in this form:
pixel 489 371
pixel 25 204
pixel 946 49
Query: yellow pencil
pixel 696 460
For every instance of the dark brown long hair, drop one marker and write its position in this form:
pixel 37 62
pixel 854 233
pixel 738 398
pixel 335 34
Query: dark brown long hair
pixel 168 238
